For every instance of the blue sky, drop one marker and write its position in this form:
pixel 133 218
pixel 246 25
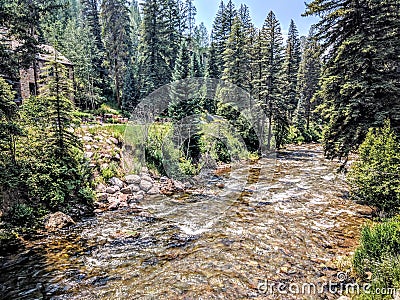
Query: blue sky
pixel 283 9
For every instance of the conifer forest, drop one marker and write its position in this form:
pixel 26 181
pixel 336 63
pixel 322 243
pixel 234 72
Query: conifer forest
pixel 150 152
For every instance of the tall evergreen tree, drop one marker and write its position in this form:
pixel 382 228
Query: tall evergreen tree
pixel 360 81
pixel 189 15
pixel 272 56
pixel 9 129
pixel 291 68
pixel 78 44
pixel 220 33
pixel 236 60
pixel 155 70
pixel 56 91
pixel 21 21
pixel 179 107
pixel 307 86
pixel 117 40
pixel 91 19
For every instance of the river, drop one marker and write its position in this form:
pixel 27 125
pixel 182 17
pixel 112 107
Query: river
pixel 280 221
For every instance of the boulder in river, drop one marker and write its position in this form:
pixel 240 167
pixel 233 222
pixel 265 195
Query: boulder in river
pixel 154 191
pixel 145 185
pixel 58 220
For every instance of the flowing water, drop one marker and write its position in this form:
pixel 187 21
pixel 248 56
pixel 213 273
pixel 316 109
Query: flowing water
pixel 283 220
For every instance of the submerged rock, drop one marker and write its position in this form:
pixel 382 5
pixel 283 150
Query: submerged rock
pixel 58 220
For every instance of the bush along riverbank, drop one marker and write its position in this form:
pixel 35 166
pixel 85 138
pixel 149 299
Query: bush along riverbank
pixel 375 181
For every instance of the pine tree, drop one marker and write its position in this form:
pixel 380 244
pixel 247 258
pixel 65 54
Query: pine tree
pixel 155 70
pixel 220 34
pixel 9 129
pixel 307 86
pixel 169 31
pixel 116 32
pixel 136 20
pixel 189 14
pixel 201 43
pixel 56 91
pixel 179 106
pixel 217 44
pixel 195 67
pixel 272 56
pixel 291 68
pixel 21 21
pixel 359 86
pixel 236 60
pixel 131 88
pixel 78 44
pixel 91 19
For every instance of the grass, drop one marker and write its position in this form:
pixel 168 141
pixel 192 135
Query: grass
pixel 115 130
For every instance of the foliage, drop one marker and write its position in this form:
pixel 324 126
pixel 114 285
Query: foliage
pixel 375 176
pixel 9 129
pixel 23 21
pixel 359 84
pixel 110 171
pixel 117 41
pixel 307 86
pixel 378 255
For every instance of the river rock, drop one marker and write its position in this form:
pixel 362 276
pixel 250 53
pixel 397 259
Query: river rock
pixel 126 190
pixel 132 179
pixel 113 206
pixel 145 185
pixel 100 205
pixel 179 186
pixel 111 190
pixel 116 181
pixel 123 197
pixel 154 191
pixel 58 220
pixel 123 204
pixel 138 197
pixel 134 188
pixel 112 199
pixel 164 179
pixel 147 178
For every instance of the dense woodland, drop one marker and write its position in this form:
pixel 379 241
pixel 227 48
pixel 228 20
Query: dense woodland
pixel 339 85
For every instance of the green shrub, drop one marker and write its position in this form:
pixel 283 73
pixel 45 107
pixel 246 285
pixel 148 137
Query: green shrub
pixel 374 177
pixel 22 215
pixel 110 171
pixel 377 257
pixel 378 242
